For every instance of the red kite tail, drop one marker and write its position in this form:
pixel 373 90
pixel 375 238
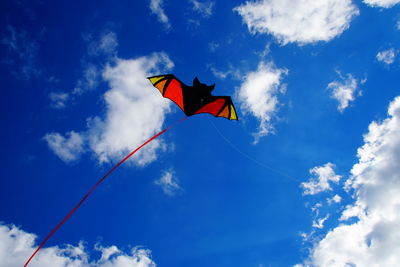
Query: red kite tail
pixel 96 185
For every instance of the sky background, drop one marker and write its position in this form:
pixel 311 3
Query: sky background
pixel 308 176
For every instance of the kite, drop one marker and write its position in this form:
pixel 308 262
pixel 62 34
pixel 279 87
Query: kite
pixel 192 100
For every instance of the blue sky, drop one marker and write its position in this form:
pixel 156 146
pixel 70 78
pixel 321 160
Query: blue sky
pixel 308 176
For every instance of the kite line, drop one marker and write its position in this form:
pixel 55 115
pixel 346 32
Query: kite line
pixel 97 184
pixel 250 157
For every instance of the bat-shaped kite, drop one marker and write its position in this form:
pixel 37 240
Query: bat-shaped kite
pixel 192 100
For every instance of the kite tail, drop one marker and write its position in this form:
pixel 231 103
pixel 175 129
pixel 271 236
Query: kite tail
pixel 96 185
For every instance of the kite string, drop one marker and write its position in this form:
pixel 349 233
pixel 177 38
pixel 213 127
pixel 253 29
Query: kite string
pixel 248 156
pixel 96 185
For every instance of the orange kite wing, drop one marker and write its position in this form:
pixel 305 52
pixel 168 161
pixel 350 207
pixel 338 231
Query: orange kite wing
pixel 169 87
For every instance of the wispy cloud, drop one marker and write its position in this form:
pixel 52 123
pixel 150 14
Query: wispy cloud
pixel 344 90
pixel 320 182
pixel 381 3
pixel 387 56
pixel 222 74
pixel 335 199
pixel 100 50
pixel 105 44
pixel 258 95
pixel 22 53
pixel 16 246
pixel 213 46
pixel 58 99
pixel 169 183
pixel 300 21
pixel 103 49
pixel 89 81
pixel 371 238
pixel 319 223
pixel 156 7
pixel 204 8
pixel 134 111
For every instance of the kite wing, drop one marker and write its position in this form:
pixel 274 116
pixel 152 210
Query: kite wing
pixel 194 99
pixel 170 87
pixel 221 106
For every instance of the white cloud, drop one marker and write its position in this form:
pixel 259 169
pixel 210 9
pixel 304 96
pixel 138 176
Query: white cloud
pixel 156 7
pixel 373 238
pixel 58 99
pixel 16 246
pixel 344 91
pixel 319 223
pixel 67 148
pixel 381 3
pixel 387 56
pixel 323 175
pixel 258 95
pixel 169 183
pixel 316 208
pixel 205 8
pixel 300 21
pixel 134 111
pixel 335 199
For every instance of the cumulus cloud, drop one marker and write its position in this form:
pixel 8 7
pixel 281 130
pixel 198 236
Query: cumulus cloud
pixel 323 175
pixel 372 237
pixel 387 56
pixel 169 183
pixel 299 21
pixel 204 8
pixel 258 95
pixel 381 3
pixel 134 111
pixel 16 246
pixel 344 90
pixel 156 7
pixel 67 148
